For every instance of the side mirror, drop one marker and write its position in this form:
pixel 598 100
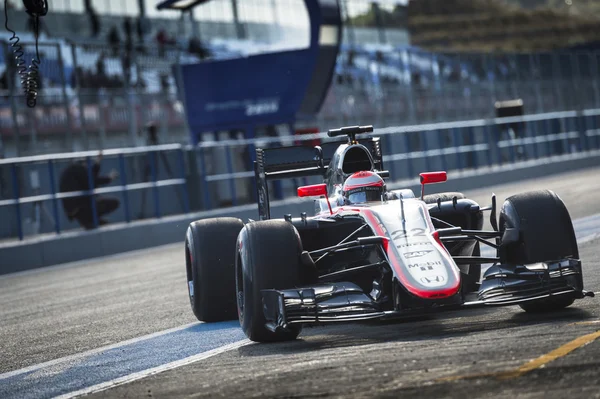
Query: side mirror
pixel 431 178
pixel 315 190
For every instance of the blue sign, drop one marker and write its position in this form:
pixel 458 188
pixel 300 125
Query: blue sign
pixel 265 89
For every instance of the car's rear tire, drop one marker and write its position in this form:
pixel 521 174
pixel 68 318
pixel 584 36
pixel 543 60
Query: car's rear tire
pixel 210 266
pixel 268 257
pixel 545 234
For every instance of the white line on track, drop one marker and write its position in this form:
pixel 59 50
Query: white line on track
pixel 81 355
pixel 146 373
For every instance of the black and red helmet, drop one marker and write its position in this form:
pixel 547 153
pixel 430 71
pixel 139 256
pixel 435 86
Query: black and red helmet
pixel 362 187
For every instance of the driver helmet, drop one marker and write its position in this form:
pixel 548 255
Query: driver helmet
pixel 362 187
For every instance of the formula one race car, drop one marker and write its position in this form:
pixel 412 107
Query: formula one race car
pixel 372 253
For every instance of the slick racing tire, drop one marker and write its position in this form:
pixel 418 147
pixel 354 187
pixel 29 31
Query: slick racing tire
pixel 210 265
pixel 545 234
pixel 268 257
pixel 471 280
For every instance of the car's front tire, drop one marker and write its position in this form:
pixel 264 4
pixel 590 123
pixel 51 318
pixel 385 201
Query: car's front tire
pixel 545 234
pixel 210 267
pixel 268 257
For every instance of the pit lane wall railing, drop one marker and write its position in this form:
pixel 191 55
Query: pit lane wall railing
pixel 145 175
pixel 174 179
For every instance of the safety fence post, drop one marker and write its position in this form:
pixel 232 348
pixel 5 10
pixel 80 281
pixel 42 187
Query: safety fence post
pixel 511 149
pixel 495 135
pixel 54 200
pixel 595 130
pixel 155 192
pixel 534 144
pixel 456 143
pixel 441 145
pixel 91 188
pixel 249 133
pixel 487 135
pixel 205 185
pixel 548 130
pixel 123 174
pixel 473 154
pixel 409 161
pixel 16 192
pixel 564 127
pixel 229 162
pixel 186 203
pixel 423 137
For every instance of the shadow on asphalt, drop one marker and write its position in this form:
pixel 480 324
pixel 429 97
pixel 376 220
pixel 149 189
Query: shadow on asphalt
pixel 443 325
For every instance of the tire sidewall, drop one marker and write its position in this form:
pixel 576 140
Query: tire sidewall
pixel 250 312
pixel 246 301
pixel 194 271
pixel 212 273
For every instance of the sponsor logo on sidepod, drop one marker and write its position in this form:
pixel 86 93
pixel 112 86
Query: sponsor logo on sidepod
pixel 416 254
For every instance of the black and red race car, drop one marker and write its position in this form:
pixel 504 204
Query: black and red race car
pixel 387 256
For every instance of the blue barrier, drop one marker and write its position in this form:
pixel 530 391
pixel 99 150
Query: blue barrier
pixel 475 145
pixel 123 188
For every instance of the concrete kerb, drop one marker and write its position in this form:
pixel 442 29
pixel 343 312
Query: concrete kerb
pixel 110 240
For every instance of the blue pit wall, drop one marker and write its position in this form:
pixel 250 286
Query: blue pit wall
pixel 185 183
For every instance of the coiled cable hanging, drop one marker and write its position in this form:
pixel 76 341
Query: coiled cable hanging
pixel 29 75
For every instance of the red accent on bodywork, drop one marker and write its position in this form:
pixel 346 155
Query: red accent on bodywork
pixel 436 237
pixel 442 293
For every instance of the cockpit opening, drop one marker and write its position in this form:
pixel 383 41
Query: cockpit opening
pixel 356 159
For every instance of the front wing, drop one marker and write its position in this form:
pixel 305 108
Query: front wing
pixel 502 285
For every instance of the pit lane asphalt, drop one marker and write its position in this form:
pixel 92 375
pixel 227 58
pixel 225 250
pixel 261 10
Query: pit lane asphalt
pixel 51 313
pixel 405 359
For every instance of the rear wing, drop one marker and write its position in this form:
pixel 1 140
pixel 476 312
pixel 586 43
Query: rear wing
pixel 299 161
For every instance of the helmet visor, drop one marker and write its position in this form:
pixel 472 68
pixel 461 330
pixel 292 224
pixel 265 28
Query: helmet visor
pixel 368 195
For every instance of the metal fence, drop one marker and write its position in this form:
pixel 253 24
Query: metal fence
pixel 29 184
pixel 220 174
pixel 93 96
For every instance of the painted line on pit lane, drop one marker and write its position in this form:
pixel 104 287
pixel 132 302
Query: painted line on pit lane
pixel 147 373
pixel 91 352
pixel 531 365
pixel 110 365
